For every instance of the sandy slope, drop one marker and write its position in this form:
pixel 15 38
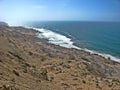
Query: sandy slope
pixel 30 63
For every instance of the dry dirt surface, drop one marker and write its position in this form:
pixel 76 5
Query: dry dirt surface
pixel 30 63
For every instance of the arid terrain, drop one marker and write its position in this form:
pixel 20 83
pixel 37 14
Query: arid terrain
pixel 30 63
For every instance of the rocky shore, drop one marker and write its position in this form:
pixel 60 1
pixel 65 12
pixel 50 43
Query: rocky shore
pixel 30 63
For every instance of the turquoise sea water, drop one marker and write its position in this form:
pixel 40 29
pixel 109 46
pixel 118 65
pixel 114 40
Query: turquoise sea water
pixel 103 37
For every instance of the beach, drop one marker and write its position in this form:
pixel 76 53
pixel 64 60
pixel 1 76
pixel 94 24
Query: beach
pixel 28 62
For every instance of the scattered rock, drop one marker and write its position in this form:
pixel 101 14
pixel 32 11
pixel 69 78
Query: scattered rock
pixel 9 87
pixel 65 85
pixel 30 53
pixel 84 81
pixel 49 77
pixel 50 67
pixel 16 73
pixel 27 64
pixel 15 55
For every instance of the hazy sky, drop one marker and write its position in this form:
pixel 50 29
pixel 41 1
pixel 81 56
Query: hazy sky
pixel 88 10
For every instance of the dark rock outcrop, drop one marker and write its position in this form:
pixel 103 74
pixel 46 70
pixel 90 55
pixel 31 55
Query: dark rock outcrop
pixel 3 24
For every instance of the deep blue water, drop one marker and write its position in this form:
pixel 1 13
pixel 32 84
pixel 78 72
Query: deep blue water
pixel 103 37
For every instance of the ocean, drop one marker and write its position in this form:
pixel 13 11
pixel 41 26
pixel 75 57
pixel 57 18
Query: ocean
pixel 102 38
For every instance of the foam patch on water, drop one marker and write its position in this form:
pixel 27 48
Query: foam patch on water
pixel 64 41
pixel 55 38
pixel 107 56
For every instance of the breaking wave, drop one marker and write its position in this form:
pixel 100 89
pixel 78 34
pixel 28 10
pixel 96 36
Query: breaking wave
pixel 61 40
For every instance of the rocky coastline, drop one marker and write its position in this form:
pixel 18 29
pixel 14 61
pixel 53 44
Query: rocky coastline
pixel 30 63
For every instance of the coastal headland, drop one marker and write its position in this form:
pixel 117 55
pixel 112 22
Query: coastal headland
pixel 31 63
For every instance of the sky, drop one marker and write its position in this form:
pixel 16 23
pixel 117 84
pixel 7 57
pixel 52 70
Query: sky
pixel 59 10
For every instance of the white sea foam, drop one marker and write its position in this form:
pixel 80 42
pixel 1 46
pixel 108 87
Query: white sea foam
pixel 64 41
pixel 55 38
pixel 103 55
